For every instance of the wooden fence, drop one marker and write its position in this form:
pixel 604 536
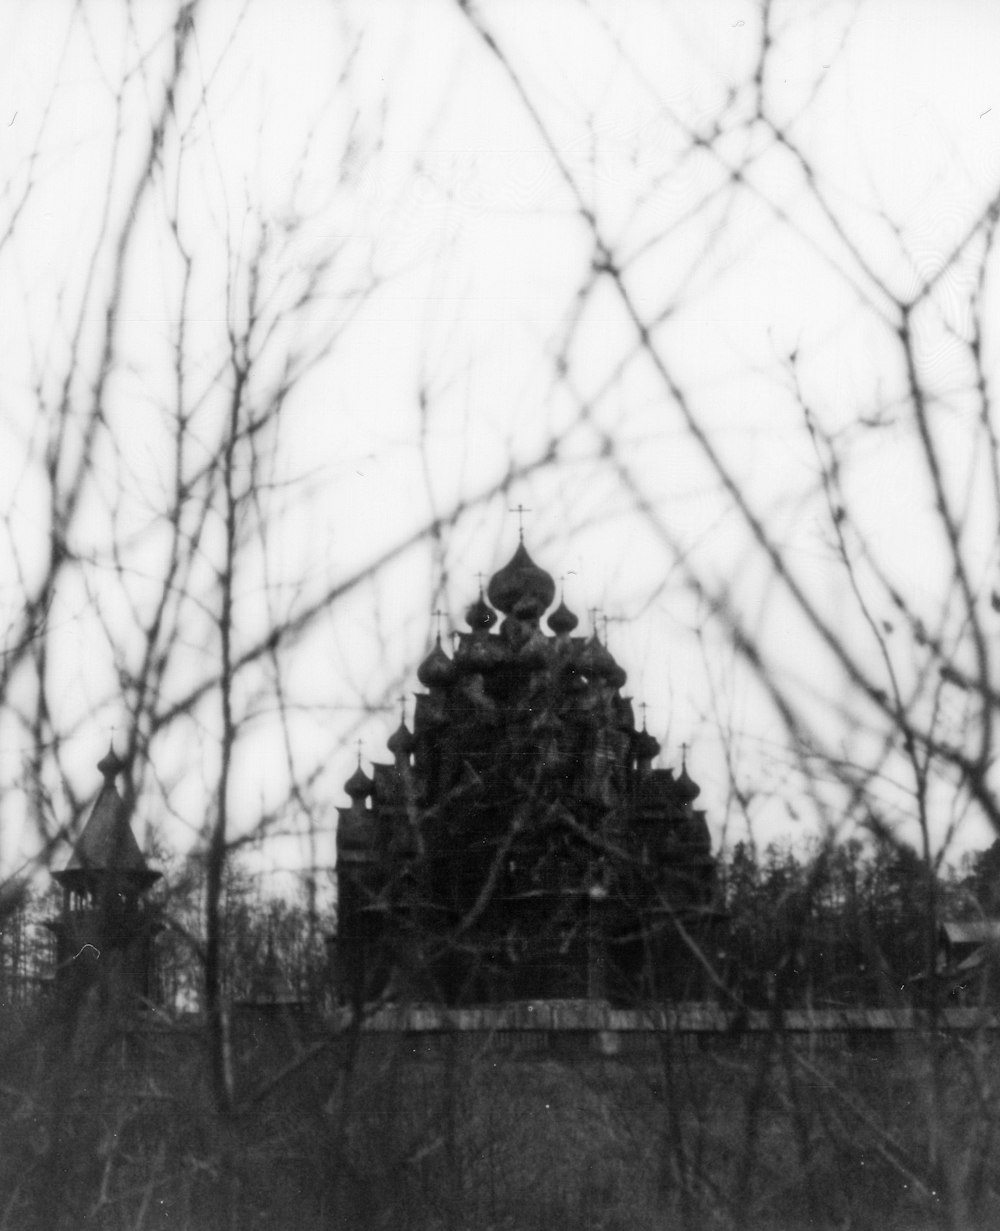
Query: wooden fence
pixel 547 1025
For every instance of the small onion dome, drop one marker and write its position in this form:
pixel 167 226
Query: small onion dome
pixel 575 680
pixel 401 741
pixel 480 614
pixel 687 788
pixel 111 764
pixel 597 660
pixel 612 672
pixel 615 675
pixel 562 620
pixel 646 745
pixel 521 586
pixel 359 785
pixel 437 670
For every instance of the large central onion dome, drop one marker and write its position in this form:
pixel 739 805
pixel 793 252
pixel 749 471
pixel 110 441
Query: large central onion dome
pixel 521 588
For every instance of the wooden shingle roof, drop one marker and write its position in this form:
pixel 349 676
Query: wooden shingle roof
pixel 107 844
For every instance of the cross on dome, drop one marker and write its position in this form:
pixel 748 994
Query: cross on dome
pixel 520 510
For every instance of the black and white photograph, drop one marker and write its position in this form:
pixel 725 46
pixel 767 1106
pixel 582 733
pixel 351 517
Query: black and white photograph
pixel 499 615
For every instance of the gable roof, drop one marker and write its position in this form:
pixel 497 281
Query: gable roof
pixel 971 932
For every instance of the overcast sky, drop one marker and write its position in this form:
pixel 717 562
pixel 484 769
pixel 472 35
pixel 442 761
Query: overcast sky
pixel 390 134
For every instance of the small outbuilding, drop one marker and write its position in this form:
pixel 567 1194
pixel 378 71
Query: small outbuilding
pixel 969 958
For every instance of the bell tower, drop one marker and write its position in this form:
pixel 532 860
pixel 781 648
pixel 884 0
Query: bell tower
pixel 105 928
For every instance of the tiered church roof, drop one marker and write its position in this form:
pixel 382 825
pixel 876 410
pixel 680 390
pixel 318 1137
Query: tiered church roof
pixel 521 843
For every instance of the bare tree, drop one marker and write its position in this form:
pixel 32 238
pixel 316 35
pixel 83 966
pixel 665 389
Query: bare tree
pixel 867 619
pixel 169 570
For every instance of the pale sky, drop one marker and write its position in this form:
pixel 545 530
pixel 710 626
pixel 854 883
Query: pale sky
pixel 428 170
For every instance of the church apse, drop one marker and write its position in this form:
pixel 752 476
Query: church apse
pixel 521 845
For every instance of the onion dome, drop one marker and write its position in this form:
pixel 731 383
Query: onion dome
pixel 401 741
pixel 687 788
pixel 437 670
pixel 612 672
pixel 521 587
pixel 597 660
pixel 562 620
pixel 574 680
pixel 111 764
pixel 646 746
pixel 359 785
pixel 480 614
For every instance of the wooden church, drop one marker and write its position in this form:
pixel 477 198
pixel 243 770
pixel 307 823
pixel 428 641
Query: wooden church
pixel 520 843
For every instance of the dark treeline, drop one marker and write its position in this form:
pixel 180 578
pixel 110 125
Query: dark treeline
pixel 844 925
pixel 274 946
pixel 824 926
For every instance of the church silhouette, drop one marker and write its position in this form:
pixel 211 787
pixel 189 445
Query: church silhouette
pixel 520 844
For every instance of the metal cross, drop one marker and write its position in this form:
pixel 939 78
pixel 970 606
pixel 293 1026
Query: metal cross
pixel 402 705
pixel 520 511
pixel 359 753
pixel 439 616
pixel 643 706
pixel 684 756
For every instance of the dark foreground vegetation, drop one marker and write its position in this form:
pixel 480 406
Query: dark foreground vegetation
pixel 118 1130
pixel 110 1117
